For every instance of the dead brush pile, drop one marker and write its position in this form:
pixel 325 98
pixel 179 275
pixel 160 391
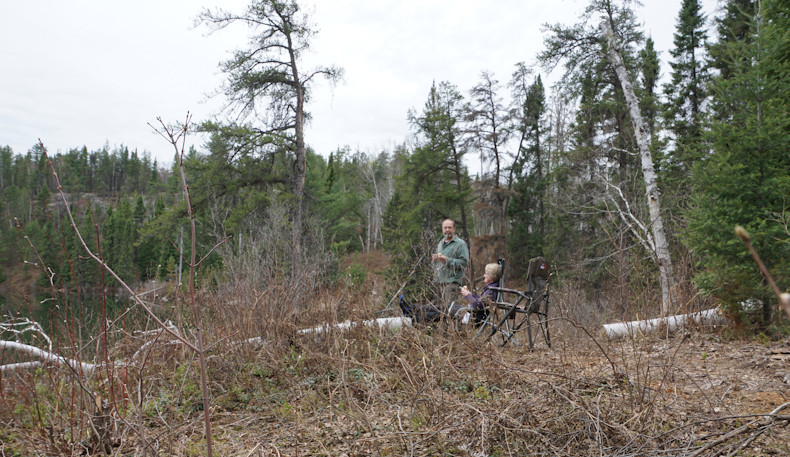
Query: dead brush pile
pixel 418 391
pixel 435 392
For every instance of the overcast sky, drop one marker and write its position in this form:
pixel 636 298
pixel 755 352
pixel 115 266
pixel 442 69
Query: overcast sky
pixel 95 72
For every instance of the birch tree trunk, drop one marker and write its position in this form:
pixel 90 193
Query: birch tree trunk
pixel 661 248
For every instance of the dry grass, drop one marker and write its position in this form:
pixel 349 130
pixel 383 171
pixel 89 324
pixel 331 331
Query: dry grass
pixel 419 391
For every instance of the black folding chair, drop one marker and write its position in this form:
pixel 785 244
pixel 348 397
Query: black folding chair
pixel 514 310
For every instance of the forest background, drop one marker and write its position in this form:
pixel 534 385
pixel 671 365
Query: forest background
pixel 565 182
pixel 631 188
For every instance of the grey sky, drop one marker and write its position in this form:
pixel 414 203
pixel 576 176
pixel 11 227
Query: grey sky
pixel 90 72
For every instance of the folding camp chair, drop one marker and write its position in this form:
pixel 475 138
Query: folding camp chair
pixel 515 310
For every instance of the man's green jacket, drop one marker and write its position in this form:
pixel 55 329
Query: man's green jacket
pixel 457 257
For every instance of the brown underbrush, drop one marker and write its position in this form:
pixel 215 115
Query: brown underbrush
pixel 418 391
pixel 415 391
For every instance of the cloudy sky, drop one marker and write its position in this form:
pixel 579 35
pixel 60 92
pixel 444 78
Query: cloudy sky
pixel 95 72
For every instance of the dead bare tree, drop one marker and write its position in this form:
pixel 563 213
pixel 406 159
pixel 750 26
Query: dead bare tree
pixel 660 244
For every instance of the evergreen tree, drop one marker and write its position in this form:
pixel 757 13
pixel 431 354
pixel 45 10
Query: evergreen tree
pixel 119 235
pixel 35 240
pixel 440 184
pixel 139 211
pixel 340 193
pixel 42 203
pixel 746 181
pixel 271 72
pixel 650 69
pixel 434 184
pixel 6 163
pixel 732 26
pixel 87 269
pixel 686 94
pixel 526 208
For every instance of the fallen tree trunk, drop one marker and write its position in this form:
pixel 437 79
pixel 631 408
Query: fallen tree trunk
pixel 49 357
pixel 711 316
pixel 392 323
pixel 46 357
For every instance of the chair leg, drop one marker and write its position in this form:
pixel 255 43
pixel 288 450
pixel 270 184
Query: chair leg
pixel 544 320
pixel 538 322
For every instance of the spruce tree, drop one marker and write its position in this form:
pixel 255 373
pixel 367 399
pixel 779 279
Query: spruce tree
pixel 686 93
pixel 745 181
pixel 526 209
pixel 650 69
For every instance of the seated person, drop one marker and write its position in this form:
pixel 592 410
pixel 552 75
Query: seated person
pixel 477 303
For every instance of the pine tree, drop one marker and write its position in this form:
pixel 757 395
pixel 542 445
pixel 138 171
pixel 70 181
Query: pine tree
pixel 271 72
pixel 526 209
pixel 440 184
pixel 746 181
pixel 686 93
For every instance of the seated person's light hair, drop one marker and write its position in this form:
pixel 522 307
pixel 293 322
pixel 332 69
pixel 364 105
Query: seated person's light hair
pixel 493 270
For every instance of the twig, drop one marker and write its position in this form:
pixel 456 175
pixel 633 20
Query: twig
pixel 104 266
pixel 784 298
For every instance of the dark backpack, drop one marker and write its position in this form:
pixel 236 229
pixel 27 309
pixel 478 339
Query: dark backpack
pixel 419 313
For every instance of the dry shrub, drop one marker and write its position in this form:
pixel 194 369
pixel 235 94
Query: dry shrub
pixel 419 391
pixel 259 284
pixel 365 391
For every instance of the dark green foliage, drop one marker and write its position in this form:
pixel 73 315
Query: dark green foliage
pixel 649 102
pixel 87 269
pixel 732 26
pixel 119 235
pixel 434 176
pixel 686 95
pixel 746 181
pixel 341 198
pixel 526 209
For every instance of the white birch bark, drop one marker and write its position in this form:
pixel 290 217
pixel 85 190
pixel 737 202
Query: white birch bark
pixel 661 253
pixel 712 316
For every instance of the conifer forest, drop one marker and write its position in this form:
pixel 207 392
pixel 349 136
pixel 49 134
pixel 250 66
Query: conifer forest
pixel 154 308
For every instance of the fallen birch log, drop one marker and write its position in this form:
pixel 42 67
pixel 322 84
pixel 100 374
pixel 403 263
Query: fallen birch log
pixel 711 316
pixel 391 323
pixel 45 356
pixel 48 357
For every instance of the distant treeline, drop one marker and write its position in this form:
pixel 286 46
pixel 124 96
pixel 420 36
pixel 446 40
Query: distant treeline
pixel 117 189
pixel 566 171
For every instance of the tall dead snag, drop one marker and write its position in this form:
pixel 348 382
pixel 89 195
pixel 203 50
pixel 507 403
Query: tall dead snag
pixel 659 240
pixel 269 87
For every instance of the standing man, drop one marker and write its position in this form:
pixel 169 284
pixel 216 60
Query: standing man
pixel 449 264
